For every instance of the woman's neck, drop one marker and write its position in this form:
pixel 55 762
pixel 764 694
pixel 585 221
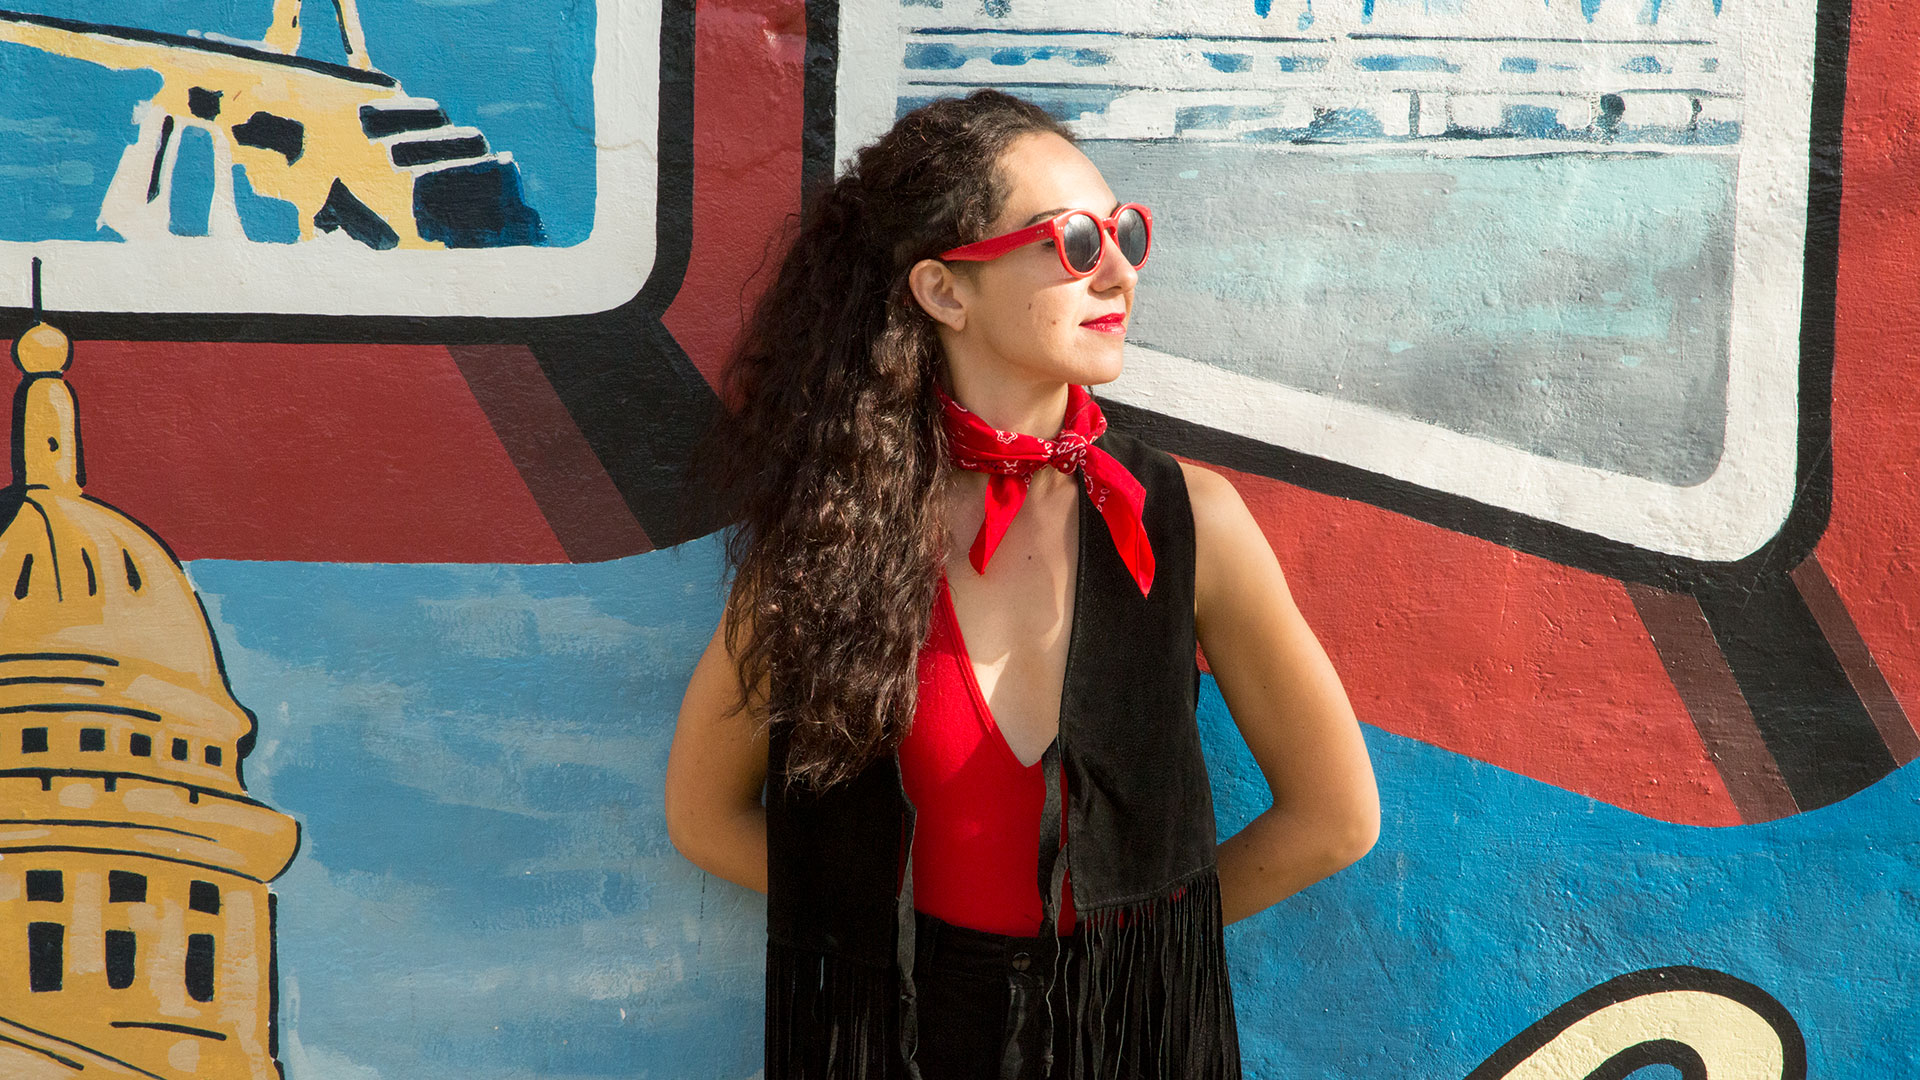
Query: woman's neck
pixel 1030 408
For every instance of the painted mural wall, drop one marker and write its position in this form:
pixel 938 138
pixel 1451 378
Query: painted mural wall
pixel 1563 349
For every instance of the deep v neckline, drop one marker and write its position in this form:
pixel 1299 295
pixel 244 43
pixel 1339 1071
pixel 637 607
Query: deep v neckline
pixel 965 657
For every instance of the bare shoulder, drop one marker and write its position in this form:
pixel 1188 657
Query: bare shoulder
pixel 1208 490
pixel 1234 569
pixel 1220 515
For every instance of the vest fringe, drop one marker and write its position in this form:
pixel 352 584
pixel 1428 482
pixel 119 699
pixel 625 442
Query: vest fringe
pixel 830 1018
pixel 1151 992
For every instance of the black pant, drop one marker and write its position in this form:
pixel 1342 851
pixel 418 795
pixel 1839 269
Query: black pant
pixel 984 1008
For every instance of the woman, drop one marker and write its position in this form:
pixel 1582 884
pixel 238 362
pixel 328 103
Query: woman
pixel 959 652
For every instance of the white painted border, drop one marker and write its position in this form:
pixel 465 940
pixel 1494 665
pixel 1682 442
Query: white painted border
pixel 1731 514
pixel 332 275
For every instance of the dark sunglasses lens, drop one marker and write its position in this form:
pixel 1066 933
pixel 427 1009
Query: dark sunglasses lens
pixel 1131 232
pixel 1081 235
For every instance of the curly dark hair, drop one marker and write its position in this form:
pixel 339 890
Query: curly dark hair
pixel 833 455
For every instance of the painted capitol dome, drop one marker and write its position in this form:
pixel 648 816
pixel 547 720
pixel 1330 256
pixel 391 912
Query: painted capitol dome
pixel 136 928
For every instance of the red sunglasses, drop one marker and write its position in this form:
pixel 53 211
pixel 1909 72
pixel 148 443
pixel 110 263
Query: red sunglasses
pixel 1078 236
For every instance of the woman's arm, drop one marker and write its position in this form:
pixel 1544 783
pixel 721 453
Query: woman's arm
pixel 715 773
pixel 1289 706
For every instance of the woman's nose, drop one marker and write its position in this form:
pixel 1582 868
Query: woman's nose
pixel 1114 270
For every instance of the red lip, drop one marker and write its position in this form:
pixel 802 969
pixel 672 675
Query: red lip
pixel 1107 323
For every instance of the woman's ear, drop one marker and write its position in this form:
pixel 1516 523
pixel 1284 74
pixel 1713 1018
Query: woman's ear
pixel 939 292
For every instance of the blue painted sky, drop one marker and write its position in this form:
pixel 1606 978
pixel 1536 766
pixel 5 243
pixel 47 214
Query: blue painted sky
pixel 485 888
pixel 519 70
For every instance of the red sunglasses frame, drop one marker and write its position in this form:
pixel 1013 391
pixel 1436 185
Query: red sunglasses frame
pixel 1054 229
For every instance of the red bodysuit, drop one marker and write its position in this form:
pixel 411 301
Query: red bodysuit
pixel 976 842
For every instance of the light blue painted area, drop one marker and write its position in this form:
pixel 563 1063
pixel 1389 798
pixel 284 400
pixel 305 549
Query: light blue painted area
pixel 1387 62
pixel 192 196
pixel 940 56
pixel 265 220
pixel 1065 104
pixel 1229 62
pixel 1305 268
pixel 1520 65
pixel 1491 899
pixel 1342 123
pixel 78 117
pixel 1532 121
pixel 475 755
pixel 935 56
pixel 534 51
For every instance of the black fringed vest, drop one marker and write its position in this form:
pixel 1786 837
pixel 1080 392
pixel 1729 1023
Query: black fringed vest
pixel 1152 1000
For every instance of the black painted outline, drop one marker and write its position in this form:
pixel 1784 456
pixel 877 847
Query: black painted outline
pixel 82 707
pixel 273 983
pixel 195 791
pixel 203 44
pixel 182 1029
pixel 1640 984
pixel 1652 1052
pixel 818 111
pixel 87 824
pixel 31 849
pixel 84 1049
pixel 68 1062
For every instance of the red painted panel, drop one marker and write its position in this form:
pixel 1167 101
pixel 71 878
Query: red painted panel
pixel 1871 550
pixel 328 453
pixel 1500 656
pixel 747 100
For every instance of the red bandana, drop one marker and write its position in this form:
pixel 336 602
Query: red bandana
pixel 1011 459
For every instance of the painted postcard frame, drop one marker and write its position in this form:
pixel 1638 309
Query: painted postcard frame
pixel 279 290
pixel 1768 486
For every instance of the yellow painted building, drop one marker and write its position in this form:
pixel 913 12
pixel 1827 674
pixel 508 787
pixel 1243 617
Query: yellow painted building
pixel 136 927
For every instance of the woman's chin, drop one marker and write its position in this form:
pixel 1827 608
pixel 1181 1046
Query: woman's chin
pixel 1101 369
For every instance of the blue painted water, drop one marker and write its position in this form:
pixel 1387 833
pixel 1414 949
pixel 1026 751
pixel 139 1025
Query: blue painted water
pixel 520 71
pixel 485 888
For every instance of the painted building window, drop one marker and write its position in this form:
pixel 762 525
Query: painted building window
pixel 213 755
pixel 46 955
pixel 33 740
pixel 204 896
pixel 121 949
pixel 126 887
pixel 140 745
pixel 200 967
pixel 46 885
pixel 179 749
pixel 93 739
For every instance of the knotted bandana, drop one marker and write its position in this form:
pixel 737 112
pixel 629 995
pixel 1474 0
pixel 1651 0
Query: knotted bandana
pixel 1010 459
